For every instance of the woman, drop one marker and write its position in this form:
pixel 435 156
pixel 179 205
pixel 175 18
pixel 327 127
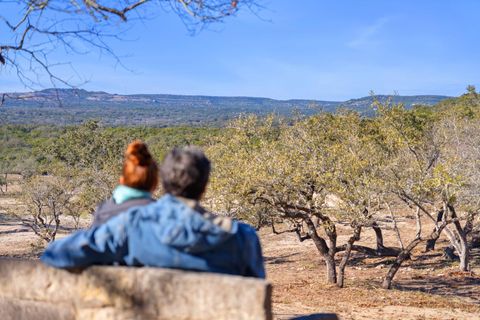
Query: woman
pixel 138 181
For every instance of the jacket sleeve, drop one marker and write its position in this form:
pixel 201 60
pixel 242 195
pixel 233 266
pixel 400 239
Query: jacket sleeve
pixel 103 244
pixel 253 257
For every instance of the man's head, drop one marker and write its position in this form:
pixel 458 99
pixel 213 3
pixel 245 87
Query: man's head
pixel 185 172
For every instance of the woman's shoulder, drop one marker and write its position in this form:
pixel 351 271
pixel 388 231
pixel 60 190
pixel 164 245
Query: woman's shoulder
pixel 109 208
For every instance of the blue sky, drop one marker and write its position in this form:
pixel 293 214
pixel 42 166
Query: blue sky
pixel 312 49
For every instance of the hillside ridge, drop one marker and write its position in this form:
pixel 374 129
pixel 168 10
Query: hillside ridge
pixel 73 106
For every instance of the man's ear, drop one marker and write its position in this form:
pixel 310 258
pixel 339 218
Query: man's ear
pixel 121 180
pixel 154 188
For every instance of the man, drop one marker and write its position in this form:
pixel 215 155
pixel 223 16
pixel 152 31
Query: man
pixel 174 232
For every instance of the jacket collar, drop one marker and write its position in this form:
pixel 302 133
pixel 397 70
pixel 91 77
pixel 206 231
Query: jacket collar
pixel 223 222
pixel 123 193
pixel 193 204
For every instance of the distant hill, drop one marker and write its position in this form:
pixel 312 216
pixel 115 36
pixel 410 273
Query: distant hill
pixel 364 104
pixel 73 106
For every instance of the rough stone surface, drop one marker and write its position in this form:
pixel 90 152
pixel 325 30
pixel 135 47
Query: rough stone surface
pixel 15 309
pixel 30 290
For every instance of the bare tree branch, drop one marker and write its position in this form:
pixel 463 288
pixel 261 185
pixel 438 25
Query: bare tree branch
pixel 33 30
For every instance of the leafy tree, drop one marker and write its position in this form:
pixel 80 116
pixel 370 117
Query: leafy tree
pixel 461 156
pixel 312 173
pixel 92 157
pixel 4 183
pixel 471 90
pixel 432 172
pixel 467 105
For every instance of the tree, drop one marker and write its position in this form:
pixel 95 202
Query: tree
pixel 240 150
pixel 461 157
pixel 257 165
pixel 312 173
pixel 3 183
pixel 92 158
pixel 433 169
pixel 471 90
pixel 80 169
pixel 407 138
pixel 34 30
pixel 45 200
pixel 5 169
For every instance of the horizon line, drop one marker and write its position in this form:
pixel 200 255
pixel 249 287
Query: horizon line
pixel 396 94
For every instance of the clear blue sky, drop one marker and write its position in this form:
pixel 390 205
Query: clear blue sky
pixel 313 49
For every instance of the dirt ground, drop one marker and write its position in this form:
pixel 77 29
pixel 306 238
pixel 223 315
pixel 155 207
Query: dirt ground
pixel 426 287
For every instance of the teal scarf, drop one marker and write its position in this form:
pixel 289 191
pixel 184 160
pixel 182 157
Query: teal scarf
pixel 123 193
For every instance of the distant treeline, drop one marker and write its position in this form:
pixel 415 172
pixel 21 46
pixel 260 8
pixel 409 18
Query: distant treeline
pixel 26 149
pixel 73 107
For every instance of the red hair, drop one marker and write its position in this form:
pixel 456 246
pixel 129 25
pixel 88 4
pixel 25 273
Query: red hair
pixel 140 170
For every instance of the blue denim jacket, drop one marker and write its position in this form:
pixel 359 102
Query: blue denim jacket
pixel 167 234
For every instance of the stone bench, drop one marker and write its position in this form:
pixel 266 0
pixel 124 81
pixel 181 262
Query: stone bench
pixel 30 290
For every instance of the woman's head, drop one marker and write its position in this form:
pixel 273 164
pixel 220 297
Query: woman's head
pixel 140 171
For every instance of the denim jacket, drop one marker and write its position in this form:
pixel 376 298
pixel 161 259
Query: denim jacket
pixel 168 234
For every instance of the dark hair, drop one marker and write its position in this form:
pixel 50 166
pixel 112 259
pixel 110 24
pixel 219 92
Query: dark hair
pixel 140 171
pixel 185 172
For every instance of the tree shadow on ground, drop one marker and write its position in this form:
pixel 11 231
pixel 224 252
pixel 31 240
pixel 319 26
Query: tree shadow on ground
pixel 17 230
pixel 360 260
pixel 419 261
pixel 9 220
pixel 450 285
pixel 475 257
pixel 280 259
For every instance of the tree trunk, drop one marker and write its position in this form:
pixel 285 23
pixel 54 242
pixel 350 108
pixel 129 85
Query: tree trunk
pixel 430 245
pixel 378 236
pixel 322 247
pixel 273 227
pixel 472 234
pixel 331 272
pixel 464 252
pixel 387 281
pixel 449 254
pixel 346 256
pixel 382 251
pixel 395 226
pixel 464 255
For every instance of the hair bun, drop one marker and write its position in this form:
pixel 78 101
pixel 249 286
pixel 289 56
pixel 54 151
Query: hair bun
pixel 137 152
